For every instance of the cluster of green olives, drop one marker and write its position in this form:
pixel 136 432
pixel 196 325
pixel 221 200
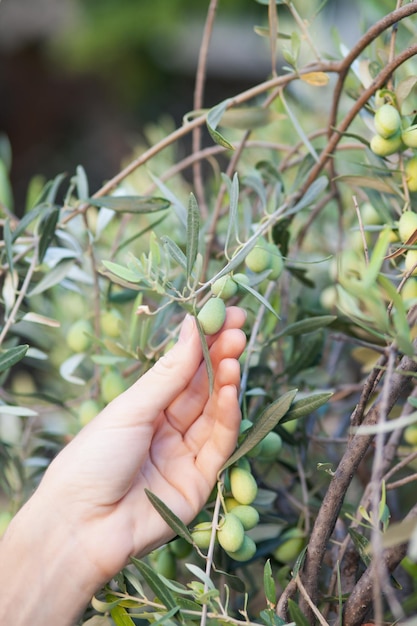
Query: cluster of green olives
pixel 262 257
pixel 239 517
pixel 391 137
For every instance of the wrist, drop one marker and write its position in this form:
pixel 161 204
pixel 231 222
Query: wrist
pixel 43 579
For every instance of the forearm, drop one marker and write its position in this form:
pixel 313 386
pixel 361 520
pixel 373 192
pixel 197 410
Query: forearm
pixel 43 579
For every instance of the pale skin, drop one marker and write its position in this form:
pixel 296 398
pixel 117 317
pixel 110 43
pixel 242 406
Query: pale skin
pixel 90 513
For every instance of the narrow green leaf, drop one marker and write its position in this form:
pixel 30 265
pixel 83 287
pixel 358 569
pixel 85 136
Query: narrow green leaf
pixel 201 575
pixel 305 326
pixel 123 272
pixel 296 614
pixel 81 182
pixel 378 256
pixel 11 356
pixel 121 617
pixel 51 189
pixel 193 226
pixel 27 219
pixel 260 298
pixel 299 129
pixel 269 584
pixel 21 411
pixel 171 519
pixel 47 228
pixel 131 204
pixel 213 119
pixel 155 583
pixel 8 243
pixel 234 582
pixel 233 189
pixel 175 251
pixel 268 419
pixel 53 277
pixel 206 356
pixel 312 193
pixel 307 405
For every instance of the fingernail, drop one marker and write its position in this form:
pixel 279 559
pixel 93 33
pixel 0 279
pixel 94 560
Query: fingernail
pixel 186 328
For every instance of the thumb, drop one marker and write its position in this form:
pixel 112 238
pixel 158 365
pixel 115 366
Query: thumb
pixel 159 386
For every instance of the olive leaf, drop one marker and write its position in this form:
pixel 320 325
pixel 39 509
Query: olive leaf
pixel 307 405
pixel 193 226
pixel 171 519
pixel 269 584
pixel 213 118
pixel 175 251
pixel 9 357
pixel 131 204
pixel 268 419
pixel 155 583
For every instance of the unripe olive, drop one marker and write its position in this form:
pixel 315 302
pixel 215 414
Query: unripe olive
pixel 247 514
pixel 243 485
pixel 277 262
pixel 79 336
pixel 407 224
pixel 271 446
pixel 212 316
pixel 112 385
pixel 411 173
pixel 241 279
pixel 410 434
pixel 230 504
pixel 225 287
pixel 230 533
pixel 180 547
pixel 111 323
pixel 88 410
pixel 370 215
pixel 291 546
pixel 411 262
pixel 259 258
pixel 246 551
pixel 166 563
pixel 409 290
pixel 387 121
pixel 409 136
pixel 201 534
pixel 385 147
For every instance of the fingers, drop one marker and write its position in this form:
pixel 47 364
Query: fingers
pixel 180 370
pixel 189 404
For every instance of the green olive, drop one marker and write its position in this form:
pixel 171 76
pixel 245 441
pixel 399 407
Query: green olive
pixel 247 514
pixel 88 410
pixel 79 336
pixel 230 533
pixel 243 485
pixel 246 551
pixel 259 258
pixel 112 385
pixel 385 147
pixel 201 534
pixel 271 446
pixel 407 225
pixel 411 262
pixel 387 121
pixel 166 563
pixel 411 173
pixel 409 136
pixel 225 287
pixel 212 316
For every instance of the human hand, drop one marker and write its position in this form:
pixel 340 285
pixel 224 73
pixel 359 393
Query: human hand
pixel 166 434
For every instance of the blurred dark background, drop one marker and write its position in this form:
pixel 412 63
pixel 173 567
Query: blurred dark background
pixel 79 79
